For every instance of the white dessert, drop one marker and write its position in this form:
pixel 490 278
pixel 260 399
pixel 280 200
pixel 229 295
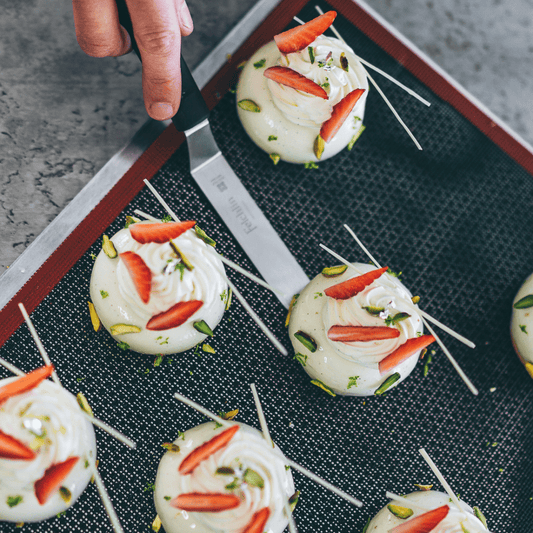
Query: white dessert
pixel 48 420
pixel 292 116
pixel 246 450
pixel 522 326
pixel 456 521
pixel 351 368
pixel 117 301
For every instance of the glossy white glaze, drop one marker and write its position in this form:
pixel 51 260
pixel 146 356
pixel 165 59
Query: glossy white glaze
pixel 523 319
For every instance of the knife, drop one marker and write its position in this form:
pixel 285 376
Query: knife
pixel 225 191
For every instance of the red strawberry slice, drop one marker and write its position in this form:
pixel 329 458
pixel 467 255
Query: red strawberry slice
pixel 25 383
pixel 205 503
pixel 140 274
pixel 423 523
pixel 301 36
pixel 258 522
pixel 175 316
pixel 339 114
pixel 291 78
pixel 205 450
pixel 12 448
pixel 53 478
pixel 160 232
pixel 362 333
pixel 353 286
pixel 403 352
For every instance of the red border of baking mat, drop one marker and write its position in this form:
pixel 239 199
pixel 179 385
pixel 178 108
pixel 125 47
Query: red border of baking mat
pixel 85 234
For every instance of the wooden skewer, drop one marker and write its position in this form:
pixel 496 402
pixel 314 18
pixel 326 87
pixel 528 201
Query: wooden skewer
pixel 266 435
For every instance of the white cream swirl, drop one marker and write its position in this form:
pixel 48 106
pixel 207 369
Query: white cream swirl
pixel 169 286
pixel 326 70
pixel 47 419
pixel 387 293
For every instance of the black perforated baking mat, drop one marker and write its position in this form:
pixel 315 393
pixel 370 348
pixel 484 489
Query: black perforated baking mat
pixel 455 218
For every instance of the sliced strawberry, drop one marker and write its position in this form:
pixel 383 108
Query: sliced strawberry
pixel 300 37
pixel 206 449
pixel 160 232
pixel 423 523
pixel 25 383
pixel 205 503
pixel 339 114
pixel 175 316
pixel 53 478
pixel 12 448
pixel 403 352
pixel 258 521
pixel 291 78
pixel 140 274
pixel 361 333
pixel 353 286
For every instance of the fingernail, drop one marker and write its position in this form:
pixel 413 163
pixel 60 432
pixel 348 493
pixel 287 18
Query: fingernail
pixel 161 110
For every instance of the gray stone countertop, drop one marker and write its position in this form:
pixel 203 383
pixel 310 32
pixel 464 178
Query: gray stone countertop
pixel 63 114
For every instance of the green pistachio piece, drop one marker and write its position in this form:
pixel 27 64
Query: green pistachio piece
pixel 124 329
pixel 311 51
pixel 235 484
pixel 366 525
pixel 208 349
pixel 252 478
pixel 170 447
pixel 307 341
pixel 479 515
pixel 400 512
pixel 463 528
pixel 415 299
pixel 373 310
pixel 108 247
pixel 13 501
pixel 272 138
pixel 249 105
pixel 318 147
pixel 260 63
pixel 202 327
pixel 156 524
pixel 275 158
pixel 356 136
pixel 344 62
pixel 332 272
pixel 423 487
pixel 228 299
pixel 352 382
pixel 525 302
pixel 95 320
pixel 301 358
pixel 229 415
pixel 179 253
pixel 391 380
pixel 225 471
pixel 426 365
pixel 203 235
pixel 398 317
pixel 291 305
pixel 131 220
pixel 321 385
pixel 83 403
pixel 65 494
pixel 293 500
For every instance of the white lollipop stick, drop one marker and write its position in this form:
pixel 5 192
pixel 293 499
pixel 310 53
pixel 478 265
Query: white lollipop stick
pixel 13 369
pixel 146 215
pixel 161 201
pixel 111 513
pixel 440 477
pixel 266 435
pixel 203 410
pixel 373 67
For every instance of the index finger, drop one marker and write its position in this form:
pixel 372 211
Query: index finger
pixel 157 32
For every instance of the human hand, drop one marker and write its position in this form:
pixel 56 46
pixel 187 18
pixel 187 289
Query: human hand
pixel 158 26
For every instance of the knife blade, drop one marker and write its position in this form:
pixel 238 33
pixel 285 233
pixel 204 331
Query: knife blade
pixel 225 191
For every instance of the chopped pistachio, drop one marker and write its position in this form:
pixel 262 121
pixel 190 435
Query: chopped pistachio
pixel 352 382
pixel 167 498
pixel 272 138
pixel 167 218
pixel 398 317
pixel 225 471
pixel 228 299
pixel 311 51
pixel 415 299
pixel 104 294
pixel 202 327
pixel 149 487
pixel 158 359
pixel 18 525
pixel 108 247
pixel 301 358
pixel 13 501
pixel 322 386
pixel 354 139
pixel 311 165
pixel 400 512
pixel 426 365
pixel 179 253
pixel 95 320
pixel 525 302
pixel 463 528
pixel 156 524
pixel 293 500
pixel 260 63
pixel 523 329
pixel 529 368
pixel 334 271
pixel 65 494
pixel 253 479
pixel 366 525
pixel 208 349
pixel 344 62
pixel 200 233
pixel 170 447
pixel 123 345
pixel 318 146
pixel 131 220
pixel 479 515
pixel 373 310
pixel 275 158
pixel 124 329
pixel 249 105
pixel 291 305
pixel 229 415
pixel 423 487
pixel 83 403
pixel 391 380
pixel 241 65
pixel 307 341
pixel 235 484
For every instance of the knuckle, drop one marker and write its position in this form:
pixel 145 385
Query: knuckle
pixel 159 42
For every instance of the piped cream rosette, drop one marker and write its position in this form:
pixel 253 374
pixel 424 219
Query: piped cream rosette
pixel 289 121
pixel 224 487
pixel 46 420
pixel 437 515
pixel 190 280
pixel 319 324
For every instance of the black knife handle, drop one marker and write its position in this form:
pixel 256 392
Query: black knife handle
pixel 193 108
